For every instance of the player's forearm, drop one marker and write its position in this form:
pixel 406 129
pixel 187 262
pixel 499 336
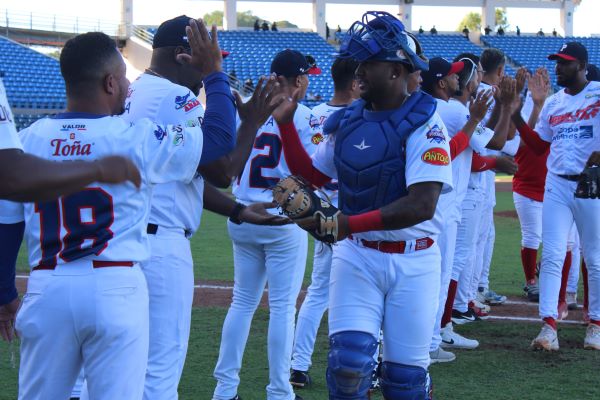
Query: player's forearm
pixel 480 163
pixel 26 178
pixel 297 158
pixel 501 131
pixel 218 202
pixel 493 120
pixel 218 126
pixel 11 236
pixel 530 137
pixel 221 172
pixel 535 114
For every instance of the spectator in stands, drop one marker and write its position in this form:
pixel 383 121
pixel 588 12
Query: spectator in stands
pixel 265 26
pixel 339 30
pixel 487 30
pixel 326 31
pixel 554 33
pixel 465 32
pixel 500 31
pixel 593 73
pixel 433 31
pixel 421 31
pixel 256 26
pixel 274 27
pixel 248 87
pixel 540 33
pixel 518 31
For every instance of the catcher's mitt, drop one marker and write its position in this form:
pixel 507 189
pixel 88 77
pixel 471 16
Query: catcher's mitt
pixel 588 186
pixel 298 200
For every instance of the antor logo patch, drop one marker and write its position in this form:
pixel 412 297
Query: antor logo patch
pixel 316 138
pixel 436 156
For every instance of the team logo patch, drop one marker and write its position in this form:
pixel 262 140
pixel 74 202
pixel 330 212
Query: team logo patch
pixel 160 133
pixel 186 102
pixel 317 138
pixel 436 156
pixel 586 132
pixel 436 135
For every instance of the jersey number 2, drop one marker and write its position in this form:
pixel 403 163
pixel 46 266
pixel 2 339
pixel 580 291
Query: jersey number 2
pixel 99 207
pixel 270 160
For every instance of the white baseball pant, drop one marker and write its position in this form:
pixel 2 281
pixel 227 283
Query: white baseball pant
pixel 262 254
pixel 312 310
pixel 369 288
pixel 529 212
pixel 560 209
pixel 78 316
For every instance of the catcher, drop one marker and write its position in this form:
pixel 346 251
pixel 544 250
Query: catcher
pixel 569 125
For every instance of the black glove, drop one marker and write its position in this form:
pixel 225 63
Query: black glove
pixel 588 186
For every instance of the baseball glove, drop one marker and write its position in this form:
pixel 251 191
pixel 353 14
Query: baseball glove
pixel 588 186
pixel 299 201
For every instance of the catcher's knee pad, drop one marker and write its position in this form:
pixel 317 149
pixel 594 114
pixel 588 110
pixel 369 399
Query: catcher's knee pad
pixel 404 382
pixel 351 365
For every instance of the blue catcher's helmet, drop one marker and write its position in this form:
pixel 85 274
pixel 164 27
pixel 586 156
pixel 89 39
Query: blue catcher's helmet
pixel 380 36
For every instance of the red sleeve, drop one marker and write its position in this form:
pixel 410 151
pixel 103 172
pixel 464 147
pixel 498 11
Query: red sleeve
pixel 297 158
pixel 369 221
pixel 458 144
pixel 533 140
pixel 481 163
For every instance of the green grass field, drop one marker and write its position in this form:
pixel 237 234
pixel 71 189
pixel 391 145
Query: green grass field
pixel 501 369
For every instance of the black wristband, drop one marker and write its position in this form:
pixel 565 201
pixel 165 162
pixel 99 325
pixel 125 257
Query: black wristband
pixel 235 213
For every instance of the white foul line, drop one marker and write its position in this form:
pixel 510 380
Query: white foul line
pixel 526 319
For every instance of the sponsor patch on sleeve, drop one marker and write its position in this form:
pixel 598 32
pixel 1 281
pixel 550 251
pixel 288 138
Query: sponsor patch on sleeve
pixel 317 138
pixel 436 134
pixel 436 156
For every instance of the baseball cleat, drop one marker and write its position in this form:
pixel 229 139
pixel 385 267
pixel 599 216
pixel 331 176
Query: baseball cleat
pixel 481 313
pixel 563 311
pixel 481 305
pixel 461 318
pixel 592 337
pixel 441 356
pixel 546 340
pixel 451 339
pixel 299 379
pixel 486 295
pixel 532 291
pixel 572 301
pixel 237 397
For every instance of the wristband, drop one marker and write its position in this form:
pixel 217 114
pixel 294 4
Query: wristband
pixel 235 213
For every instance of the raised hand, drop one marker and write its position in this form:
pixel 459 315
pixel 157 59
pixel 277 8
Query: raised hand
pixel 265 99
pixel 284 113
pixel 508 91
pixel 521 77
pixel 539 87
pixel 480 105
pixel 117 169
pixel 206 53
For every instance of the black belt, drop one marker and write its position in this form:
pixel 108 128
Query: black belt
pixel 153 228
pixel 573 178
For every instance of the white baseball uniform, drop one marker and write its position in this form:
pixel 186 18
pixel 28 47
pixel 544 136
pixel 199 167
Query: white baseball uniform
pixel 572 125
pixel 176 210
pixel 317 296
pixel 369 288
pixel 8 133
pixel 455 115
pixel 87 302
pixel 262 254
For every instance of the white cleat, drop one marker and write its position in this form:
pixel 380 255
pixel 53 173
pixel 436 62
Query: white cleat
pixel 546 340
pixel 441 356
pixel 592 337
pixel 451 339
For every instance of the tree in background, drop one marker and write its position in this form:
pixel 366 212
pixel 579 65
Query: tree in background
pixel 473 20
pixel 245 19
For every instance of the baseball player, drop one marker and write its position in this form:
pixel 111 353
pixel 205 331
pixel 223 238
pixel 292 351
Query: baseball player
pixel 166 93
pixel 453 85
pixel 374 278
pixel 266 254
pixel 566 125
pixel 51 179
pixel 317 297
pixel 87 302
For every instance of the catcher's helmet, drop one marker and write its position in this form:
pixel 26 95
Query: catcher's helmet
pixel 379 36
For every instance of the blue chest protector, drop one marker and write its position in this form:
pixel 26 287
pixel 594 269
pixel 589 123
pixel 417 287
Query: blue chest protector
pixel 370 156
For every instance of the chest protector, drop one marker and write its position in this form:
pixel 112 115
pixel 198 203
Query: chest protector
pixel 370 156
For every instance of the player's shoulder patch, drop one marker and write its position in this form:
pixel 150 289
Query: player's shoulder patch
pixel 435 134
pixel 436 156
pixel 317 138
